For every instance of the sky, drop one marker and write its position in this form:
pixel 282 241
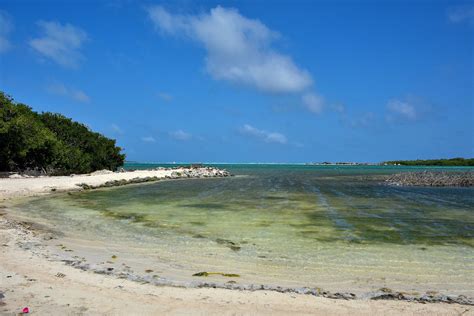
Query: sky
pixel 250 81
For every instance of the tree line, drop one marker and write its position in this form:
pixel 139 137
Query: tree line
pixel 434 162
pixel 51 143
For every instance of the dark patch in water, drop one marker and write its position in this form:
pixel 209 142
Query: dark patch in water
pixel 228 243
pixel 275 198
pixel 133 217
pixel 205 205
pixel 197 223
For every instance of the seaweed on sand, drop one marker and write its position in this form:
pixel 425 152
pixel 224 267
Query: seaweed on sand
pixel 205 274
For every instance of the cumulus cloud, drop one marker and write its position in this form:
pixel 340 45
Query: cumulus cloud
pixel 268 137
pixel 401 110
pixel 6 26
pixel 72 93
pixel 461 14
pixel 60 43
pixel 180 135
pixel 239 49
pixel 148 139
pixel 313 102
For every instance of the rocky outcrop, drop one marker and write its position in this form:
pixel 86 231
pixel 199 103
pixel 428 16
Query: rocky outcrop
pixel 177 173
pixel 206 172
pixel 432 178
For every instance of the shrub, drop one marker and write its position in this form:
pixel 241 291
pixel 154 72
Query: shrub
pixel 51 142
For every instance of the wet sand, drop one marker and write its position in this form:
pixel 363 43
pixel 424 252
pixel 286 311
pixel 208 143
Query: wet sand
pixel 28 279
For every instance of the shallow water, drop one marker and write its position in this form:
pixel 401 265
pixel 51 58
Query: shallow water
pixel 338 228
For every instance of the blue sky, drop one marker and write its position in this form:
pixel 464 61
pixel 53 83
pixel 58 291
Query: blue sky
pixel 294 81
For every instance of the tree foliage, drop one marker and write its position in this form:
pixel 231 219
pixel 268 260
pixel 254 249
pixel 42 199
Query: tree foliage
pixel 434 162
pixel 51 142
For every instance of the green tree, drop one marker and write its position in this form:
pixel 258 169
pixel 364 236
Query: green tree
pixel 51 142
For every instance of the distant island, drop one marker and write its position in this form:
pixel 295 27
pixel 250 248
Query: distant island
pixel 433 162
pixel 453 162
pixel 328 163
pixel 50 143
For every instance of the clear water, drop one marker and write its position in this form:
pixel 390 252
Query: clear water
pixel 338 228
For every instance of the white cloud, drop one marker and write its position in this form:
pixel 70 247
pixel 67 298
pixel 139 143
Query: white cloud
pixel 268 137
pixel 180 135
pixel 148 139
pixel 461 13
pixel 165 96
pixel 6 26
pixel 80 96
pixel 60 43
pixel 313 102
pixel 239 49
pixel 72 93
pixel 401 110
pixel 116 129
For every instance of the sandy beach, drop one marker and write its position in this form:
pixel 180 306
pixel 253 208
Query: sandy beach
pixel 33 186
pixel 30 278
pixel 52 288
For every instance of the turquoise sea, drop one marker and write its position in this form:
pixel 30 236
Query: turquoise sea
pixel 339 228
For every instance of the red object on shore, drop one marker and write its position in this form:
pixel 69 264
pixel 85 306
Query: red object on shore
pixel 25 310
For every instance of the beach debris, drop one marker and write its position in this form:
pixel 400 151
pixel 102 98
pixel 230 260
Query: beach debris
pixel 205 274
pixel 232 245
pixel 84 186
pixel 60 275
pixel 25 310
pixel 148 270
pixel 114 257
pixel 100 172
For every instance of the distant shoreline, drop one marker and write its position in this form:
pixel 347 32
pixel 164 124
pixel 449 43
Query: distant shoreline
pixel 368 164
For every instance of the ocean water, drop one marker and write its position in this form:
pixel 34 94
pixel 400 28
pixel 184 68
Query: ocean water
pixel 338 228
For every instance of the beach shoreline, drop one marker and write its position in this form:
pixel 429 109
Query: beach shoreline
pixel 24 186
pixel 28 273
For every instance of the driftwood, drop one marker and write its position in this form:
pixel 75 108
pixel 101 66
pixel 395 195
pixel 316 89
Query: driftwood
pixel 433 178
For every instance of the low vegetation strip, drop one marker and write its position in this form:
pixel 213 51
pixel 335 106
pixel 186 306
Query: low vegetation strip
pixel 433 162
pixel 432 178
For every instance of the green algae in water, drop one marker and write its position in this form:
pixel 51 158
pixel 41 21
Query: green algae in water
pixel 305 223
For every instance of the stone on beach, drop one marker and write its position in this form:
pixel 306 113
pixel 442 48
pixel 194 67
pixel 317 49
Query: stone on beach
pixel 432 178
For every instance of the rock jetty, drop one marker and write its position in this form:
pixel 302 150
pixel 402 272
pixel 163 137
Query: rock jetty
pixel 432 178
pixel 204 172
pixel 176 173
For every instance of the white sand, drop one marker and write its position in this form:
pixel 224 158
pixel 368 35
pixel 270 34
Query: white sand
pixel 22 187
pixel 28 279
